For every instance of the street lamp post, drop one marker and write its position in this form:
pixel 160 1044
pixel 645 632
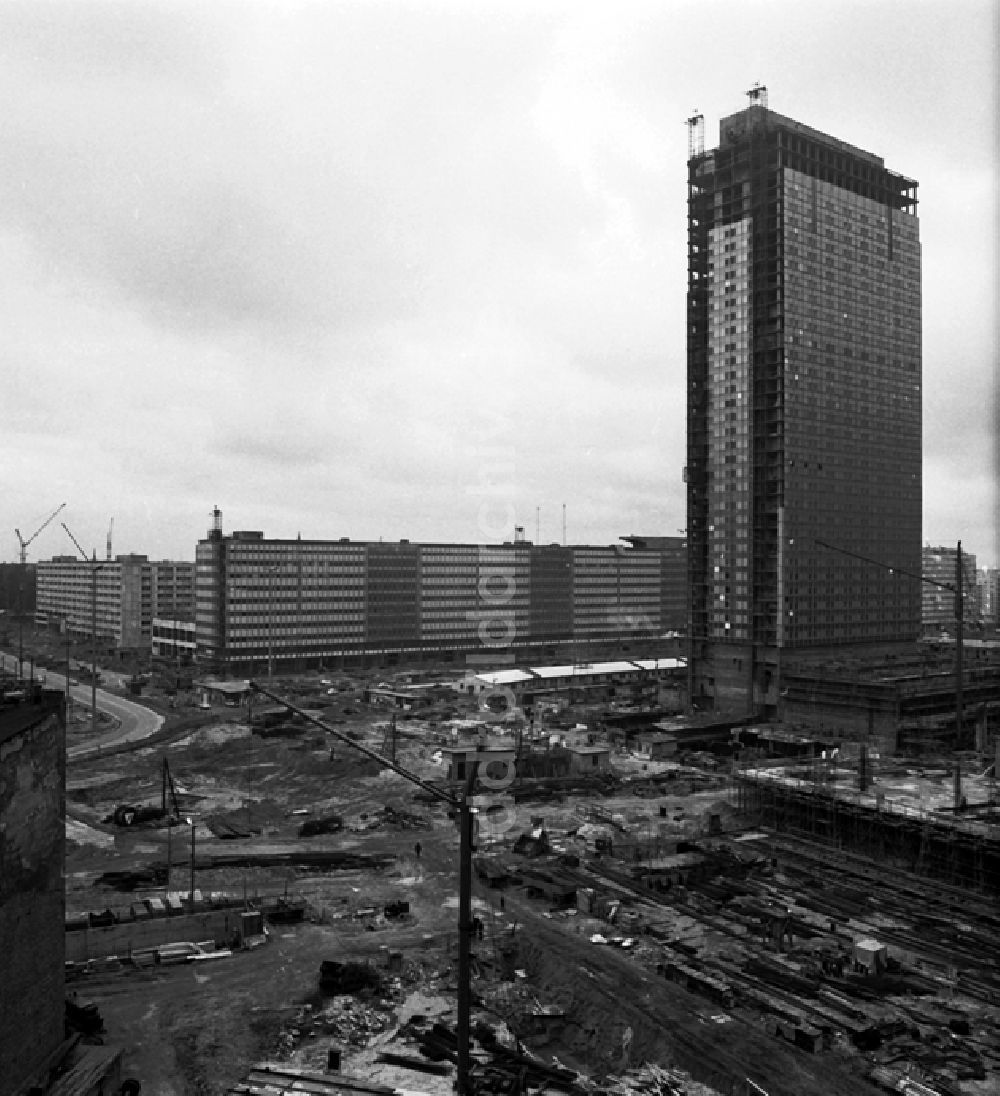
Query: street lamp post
pixel 66 637
pixel 959 644
pixel 250 763
pixel 465 810
pixel 190 822
pixel 95 567
pixel 20 629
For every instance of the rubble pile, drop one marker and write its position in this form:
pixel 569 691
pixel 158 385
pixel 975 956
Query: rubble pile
pixel 313 827
pixel 501 1064
pixel 344 1021
pixel 340 978
pixel 400 819
pixel 653 1080
pixel 389 817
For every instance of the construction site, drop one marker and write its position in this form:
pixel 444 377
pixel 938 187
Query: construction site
pixel 274 892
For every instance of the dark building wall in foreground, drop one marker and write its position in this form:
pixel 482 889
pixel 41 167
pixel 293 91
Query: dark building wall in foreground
pixel 32 893
pixel 17 589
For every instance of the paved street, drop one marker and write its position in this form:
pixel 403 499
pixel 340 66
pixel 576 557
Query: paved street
pixel 135 721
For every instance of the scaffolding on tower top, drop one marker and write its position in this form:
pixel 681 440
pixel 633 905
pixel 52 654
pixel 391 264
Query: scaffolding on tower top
pixel 696 134
pixel 758 95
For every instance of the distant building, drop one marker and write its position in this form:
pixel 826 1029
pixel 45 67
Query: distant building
pixel 175 639
pixel 673 578
pixel 988 582
pixel 804 404
pixel 17 589
pixel 938 611
pixel 130 591
pixel 902 700
pixel 289 604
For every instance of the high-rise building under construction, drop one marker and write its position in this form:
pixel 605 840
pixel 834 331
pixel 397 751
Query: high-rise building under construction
pixel 804 406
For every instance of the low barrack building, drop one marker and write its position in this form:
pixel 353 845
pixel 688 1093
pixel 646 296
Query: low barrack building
pixel 629 680
pixel 589 759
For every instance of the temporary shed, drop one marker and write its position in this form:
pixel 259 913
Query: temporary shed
pixel 656 745
pixel 498 762
pixel 231 693
pixel 589 759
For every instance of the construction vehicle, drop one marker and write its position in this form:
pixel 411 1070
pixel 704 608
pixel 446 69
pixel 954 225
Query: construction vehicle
pixel 126 814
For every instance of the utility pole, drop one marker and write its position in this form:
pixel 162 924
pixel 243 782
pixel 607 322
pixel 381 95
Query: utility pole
pixel 250 766
pixel 959 643
pixel 466 820
pixel 190 822
pixel 465 930
pixel 95 567
pixel 20 625
pixel 66 637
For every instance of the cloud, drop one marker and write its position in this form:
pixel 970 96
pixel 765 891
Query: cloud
pixel 301 260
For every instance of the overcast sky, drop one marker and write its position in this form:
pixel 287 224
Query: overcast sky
pixel 333 267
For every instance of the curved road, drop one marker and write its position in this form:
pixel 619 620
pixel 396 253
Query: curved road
pixel 135 720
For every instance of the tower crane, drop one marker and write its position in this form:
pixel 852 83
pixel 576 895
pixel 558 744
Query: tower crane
pixel 24 543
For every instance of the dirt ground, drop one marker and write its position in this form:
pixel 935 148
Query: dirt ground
pixel 197 1029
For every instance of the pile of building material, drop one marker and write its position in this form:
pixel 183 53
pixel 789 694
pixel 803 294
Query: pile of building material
pixel 654 1080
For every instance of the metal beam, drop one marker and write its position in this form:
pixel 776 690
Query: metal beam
pixel 465 922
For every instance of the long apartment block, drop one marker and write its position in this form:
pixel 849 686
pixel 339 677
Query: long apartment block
pixel 286 603
pixel 118 599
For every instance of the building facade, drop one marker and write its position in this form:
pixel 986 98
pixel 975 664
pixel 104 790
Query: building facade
pixel 804 404
pixel 36 1054
pixel 939 607
pixel 298 603
pixel 17 589
pixel 123 595
pixel 988 580
pixel 174 639
pixel 673 578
